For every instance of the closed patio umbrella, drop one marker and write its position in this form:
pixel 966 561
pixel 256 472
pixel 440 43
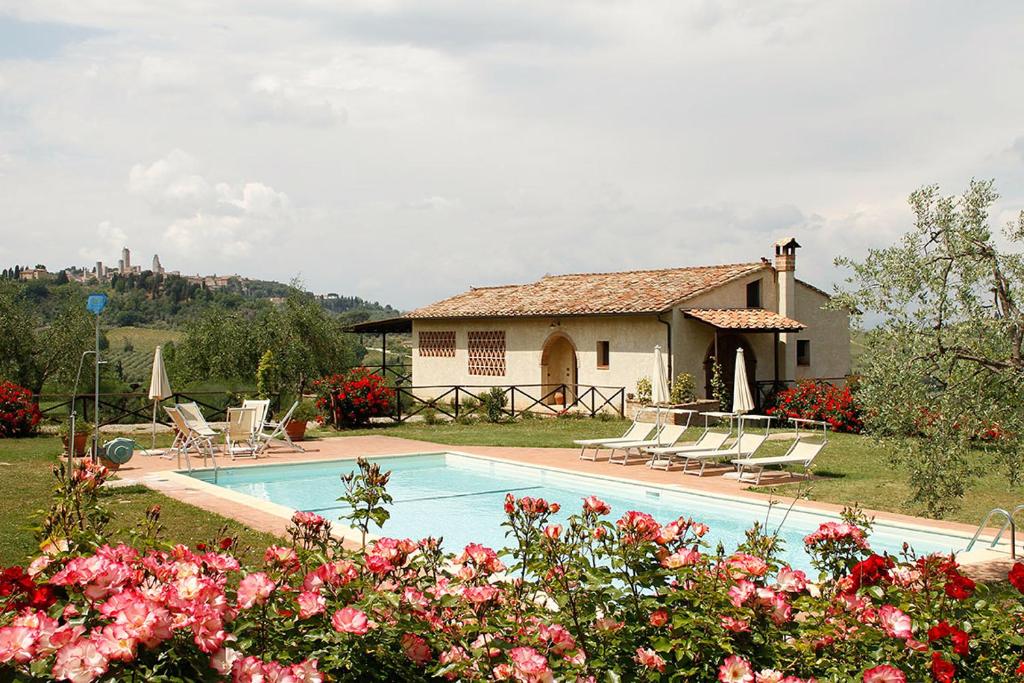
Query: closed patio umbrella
pixel 742 401
pixel 659 380
pixel 159 387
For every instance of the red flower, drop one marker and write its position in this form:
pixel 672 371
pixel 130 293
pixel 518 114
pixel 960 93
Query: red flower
pixel 958 586
pixel 943 670
pixel 1016 576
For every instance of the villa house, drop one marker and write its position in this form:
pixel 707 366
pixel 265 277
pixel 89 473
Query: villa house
pixel 600 329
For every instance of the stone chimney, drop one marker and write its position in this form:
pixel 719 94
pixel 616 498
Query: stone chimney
pixel 785 275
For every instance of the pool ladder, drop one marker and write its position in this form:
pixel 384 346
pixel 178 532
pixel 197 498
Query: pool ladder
pixel 1008 524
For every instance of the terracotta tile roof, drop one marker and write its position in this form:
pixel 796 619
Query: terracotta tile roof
pixel 745 319
pixel 636 291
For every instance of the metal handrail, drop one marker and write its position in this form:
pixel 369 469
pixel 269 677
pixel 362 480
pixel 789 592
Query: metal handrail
pixel 995 540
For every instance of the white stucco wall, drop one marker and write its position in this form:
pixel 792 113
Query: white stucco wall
pixel 632 340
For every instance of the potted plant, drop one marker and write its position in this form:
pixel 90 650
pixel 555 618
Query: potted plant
pixel 296 427
pixel 83 430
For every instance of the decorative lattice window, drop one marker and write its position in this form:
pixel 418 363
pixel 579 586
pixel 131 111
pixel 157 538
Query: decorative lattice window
pixel 437 344
pixel 486 353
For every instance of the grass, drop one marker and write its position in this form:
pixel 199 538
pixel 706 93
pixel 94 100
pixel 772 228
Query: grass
pixel 856 469
pixel 25 485
pixel 538 433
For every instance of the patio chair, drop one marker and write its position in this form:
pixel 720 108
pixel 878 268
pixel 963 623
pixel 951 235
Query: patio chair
pixel 262 408
pixel 662 457
pixel 667 436
pixel 638 431
pixel 801 453
pixel 276 432
pixel 240 435
pixel 194 417
pixel 188 438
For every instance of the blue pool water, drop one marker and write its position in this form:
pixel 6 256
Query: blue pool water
pixel 460 498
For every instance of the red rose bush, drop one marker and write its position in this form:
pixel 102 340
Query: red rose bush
pixel 19 414
pixel 605 595
pixel 353 398
pixel 810 400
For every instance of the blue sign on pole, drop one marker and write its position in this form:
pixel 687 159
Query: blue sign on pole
pixel 96 303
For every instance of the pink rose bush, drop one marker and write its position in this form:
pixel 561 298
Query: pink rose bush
pixel 604 592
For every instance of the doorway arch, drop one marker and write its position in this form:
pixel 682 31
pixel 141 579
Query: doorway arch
pixel 727 345
pixel 558 366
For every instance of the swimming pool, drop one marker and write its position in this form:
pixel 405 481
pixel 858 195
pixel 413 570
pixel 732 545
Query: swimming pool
pixel 460 497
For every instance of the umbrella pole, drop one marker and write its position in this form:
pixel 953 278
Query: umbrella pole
pixel 152 446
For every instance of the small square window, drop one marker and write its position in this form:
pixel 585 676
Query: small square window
pixel 603 353
pixel 803 352
pixel 754 294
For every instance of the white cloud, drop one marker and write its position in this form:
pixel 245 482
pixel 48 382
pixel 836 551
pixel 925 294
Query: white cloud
pixel 449 144
pixel 109 240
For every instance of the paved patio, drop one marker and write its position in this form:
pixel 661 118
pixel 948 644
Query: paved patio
pixel 154 472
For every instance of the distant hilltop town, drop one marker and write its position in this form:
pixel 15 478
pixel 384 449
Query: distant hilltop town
pixel 103 273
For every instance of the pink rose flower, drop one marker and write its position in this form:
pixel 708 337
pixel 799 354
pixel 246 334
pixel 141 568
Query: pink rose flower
pixel 884 674
pixel 735 669
pixel 350 620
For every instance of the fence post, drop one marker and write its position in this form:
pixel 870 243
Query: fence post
pixel 398 404
pixel 622 402
pixel 512 391
pixel 456 401
pixel 593 399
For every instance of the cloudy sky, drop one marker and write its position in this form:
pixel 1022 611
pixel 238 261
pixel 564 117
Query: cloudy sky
pixel 404 150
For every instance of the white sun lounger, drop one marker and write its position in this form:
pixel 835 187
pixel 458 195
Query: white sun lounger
pixel 638 431
pixel 800 453
pixel 240 435
pixel 276 432
pixel 662 458
pixel 262 408
pixel 188 439
pixel 743 447
pixel 194 417
pixel 667 436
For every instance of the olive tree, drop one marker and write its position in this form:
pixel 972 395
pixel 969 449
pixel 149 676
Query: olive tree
pixel 943 374
pixel 305 342
pixel 33 351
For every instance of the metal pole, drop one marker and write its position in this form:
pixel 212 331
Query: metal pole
pixel 96 396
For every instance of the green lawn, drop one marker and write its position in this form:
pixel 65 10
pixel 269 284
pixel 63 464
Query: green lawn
pixel 25 482
pixel 855 468
pixel 540 432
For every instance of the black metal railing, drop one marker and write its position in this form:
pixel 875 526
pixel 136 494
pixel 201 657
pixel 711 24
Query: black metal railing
pixel 463 400
pixel 400 373
pixel 135 407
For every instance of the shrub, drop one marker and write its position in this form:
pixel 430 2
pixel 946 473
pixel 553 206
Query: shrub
pixel 493 404
pixel 584 599
pixel 353 398
pixel 683 389
pixel 643 391
pixel 19 414
pixel 810 400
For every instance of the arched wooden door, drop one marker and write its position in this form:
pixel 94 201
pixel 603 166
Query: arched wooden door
pixel 727 345
pixel 557 367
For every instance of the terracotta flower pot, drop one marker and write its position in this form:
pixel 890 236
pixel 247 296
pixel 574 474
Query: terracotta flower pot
pixel 80 441
pixel 296 430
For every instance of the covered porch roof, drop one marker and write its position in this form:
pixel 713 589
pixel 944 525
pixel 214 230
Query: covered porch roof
pixel 386 326
pixel 744 319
